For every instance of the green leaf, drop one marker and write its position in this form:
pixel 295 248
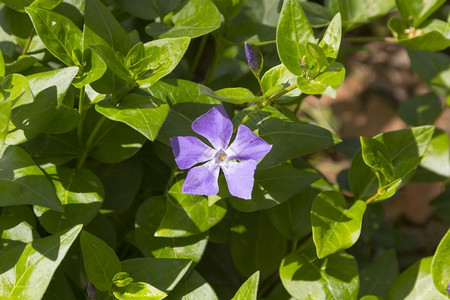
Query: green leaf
pixel 81 195
pixel 66 117
pixel 331 40
pixel 148 218
pixel 318 15
pixel 22 63
pixel 17 4
pixel 138 290
pixel 60 36
pixel 256 244
pixel 5 113
pixel 420 110
pixel 307 277
pixel 161 58
pixel 317 54
pixel 193 287
pixel 122 279
pixel 270 191
pixel 102 28
pixel 138 112
pixel 248 290
pixel 47 4
pixel 2 65
pixel 377 157
pixel 326 82
pixel 188 214
pixel 100 261
pixel 417 11
pixel 15 89
pixel 186 104
pixel 406 148
pixel 440 268
pixel 288 139
pixel 49 89
pixel 229 9
pixel 115 140
pixel 277 78
pixel 293 33
pixel 114 60
pixel 358 12
pixel 431 36
pixel 377 278
pixel 437 159
pixel 334 227
pixel 148 10
pixel 194 18
pixel 162 273
pixel 26 271
pixel 22 182
pixel 293 217
pixel 416 282
pixel 92 68
pixel 237 95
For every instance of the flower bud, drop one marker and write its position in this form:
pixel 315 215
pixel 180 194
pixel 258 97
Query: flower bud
pixel 251 58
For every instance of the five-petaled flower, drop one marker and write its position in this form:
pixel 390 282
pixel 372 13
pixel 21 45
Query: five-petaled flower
pixel 237 160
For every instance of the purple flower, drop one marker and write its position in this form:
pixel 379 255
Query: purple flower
pixel 237 160
pixel 448 288
pixel 251 57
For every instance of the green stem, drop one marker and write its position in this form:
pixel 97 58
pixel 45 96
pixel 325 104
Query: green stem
pixel 294 246
pixel 260 84
pixel 82 109
pixel 374 197
pixel 215 64
pixel 368 39
pixel 200 49
pixel 90 142
pixel 267 102
pixel 28 43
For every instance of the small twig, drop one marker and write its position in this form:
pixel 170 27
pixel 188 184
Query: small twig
pixel 28 43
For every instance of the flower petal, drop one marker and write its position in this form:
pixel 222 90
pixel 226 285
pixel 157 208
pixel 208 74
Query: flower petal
pixel 215 126
pixel 189 150
pixel 248 145
pixel 239 176
pixel 202 180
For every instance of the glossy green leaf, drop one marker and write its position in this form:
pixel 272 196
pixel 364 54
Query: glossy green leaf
pixel 269 191
pixel 305 276
pixel 193 287
pixel 406 148
pixel 138 112
pixel 437 159
pixel 60 36
pixel 334 227
pixel 417 11
pixel 122 279
pixel 161 57
pixel 15 89
pixel 229 9
pixel 440 267
pixel 47 4
pixel 317 54
pixel 81 195
pixel 92 68
pixel 377 157
pixel 377 278
pixel 49 89
pixel 22 182
pixel 66 117
pixel 114 60
pixel 288 139
pixel 317 14
pixel 249 289
pixel 115 140
pixel 331 40
pixel 18 4
pixel 148 218
pixel 358 12
pixel 5 113
pixel 293 32
pixel 280 77
pixel 22 63
pixel 256 245
pixel 431 36
pixel 188 214
pixel 236 95
pixel 416 282
pixel 102 28
pixel 293 217
pixel 186 104
pixel 194 18
pixel 100 261
pixel 162 273
pixel 420 110
pixel 148 10
pixel 23 267
pixel 138 290
pixel 326 82
pixel 2 66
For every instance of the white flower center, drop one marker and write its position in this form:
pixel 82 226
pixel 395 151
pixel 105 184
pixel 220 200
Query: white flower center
pixel 221 157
